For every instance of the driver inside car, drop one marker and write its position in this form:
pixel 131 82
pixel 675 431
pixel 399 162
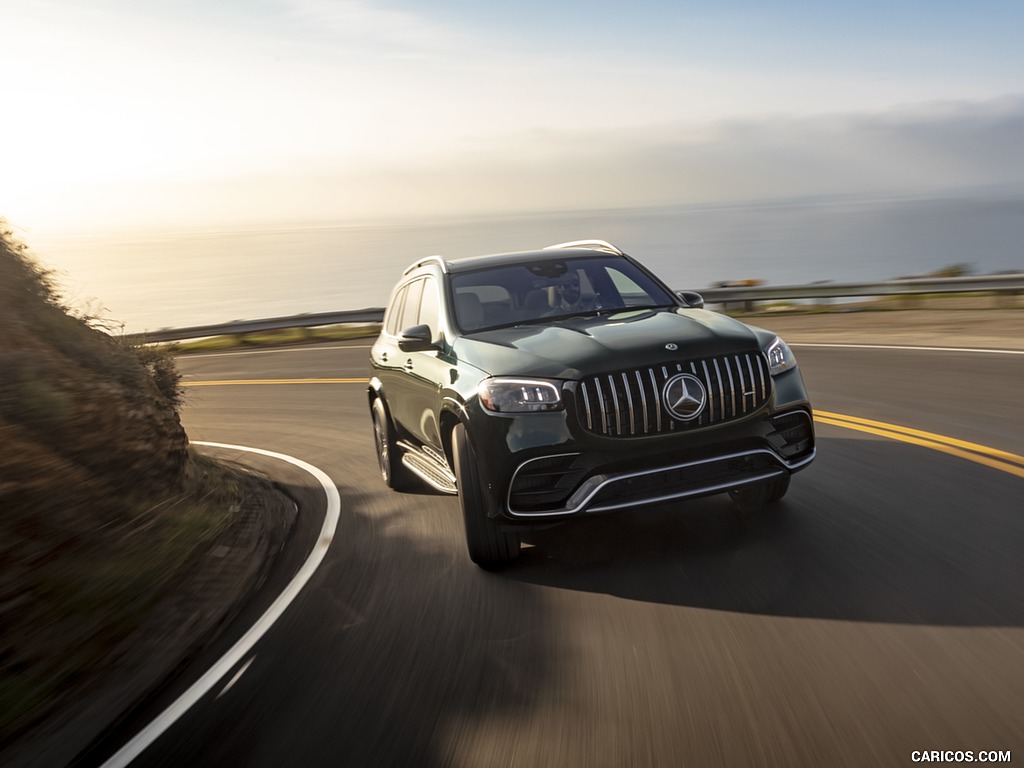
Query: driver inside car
pixel 569 297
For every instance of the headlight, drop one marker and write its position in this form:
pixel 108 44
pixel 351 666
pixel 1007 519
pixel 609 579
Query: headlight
pixel 780 357
pixel 519 395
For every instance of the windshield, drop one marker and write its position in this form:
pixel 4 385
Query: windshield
pixel 540 290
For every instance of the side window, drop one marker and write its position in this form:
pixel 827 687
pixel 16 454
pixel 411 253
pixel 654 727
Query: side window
pixel 411 307
pixel 429 312
pixel 391 324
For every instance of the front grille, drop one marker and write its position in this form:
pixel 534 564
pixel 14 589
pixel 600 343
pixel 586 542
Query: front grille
pixel 629 403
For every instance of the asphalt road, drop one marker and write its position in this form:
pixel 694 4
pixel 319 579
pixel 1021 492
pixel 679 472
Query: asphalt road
pixel 878 611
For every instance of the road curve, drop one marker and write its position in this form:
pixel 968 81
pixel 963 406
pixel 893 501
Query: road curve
pixel 877 611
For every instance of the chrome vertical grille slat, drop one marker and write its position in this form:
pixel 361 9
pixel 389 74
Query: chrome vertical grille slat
pixel 586 406
pixel 750 367
pixel 721 390
pixel 743 383
pixel 615 405
pixel 643 401
pixel 600 405
pixel 630 402
pixel 708 390
pixel 750 370
pixel 732 388
pixel 657 400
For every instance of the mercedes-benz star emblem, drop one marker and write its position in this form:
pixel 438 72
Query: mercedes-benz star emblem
pixel 684 396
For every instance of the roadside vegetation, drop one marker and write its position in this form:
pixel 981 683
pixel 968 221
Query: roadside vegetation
pixel 103 508
pixel 974 300
pixel 939 302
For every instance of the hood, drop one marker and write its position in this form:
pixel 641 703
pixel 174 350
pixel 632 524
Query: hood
pixel 579 346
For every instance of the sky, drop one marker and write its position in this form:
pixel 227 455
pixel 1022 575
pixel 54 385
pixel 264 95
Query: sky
pixel 153 114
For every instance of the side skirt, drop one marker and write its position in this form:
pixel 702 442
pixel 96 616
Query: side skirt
pixel 430 466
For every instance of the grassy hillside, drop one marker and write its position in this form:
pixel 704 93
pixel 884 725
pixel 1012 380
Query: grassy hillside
pixel 102 506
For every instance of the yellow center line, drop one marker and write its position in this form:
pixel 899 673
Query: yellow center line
pixel 247 382
pixel 980 454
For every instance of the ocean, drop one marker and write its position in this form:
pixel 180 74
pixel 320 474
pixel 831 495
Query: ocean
pixel 172 280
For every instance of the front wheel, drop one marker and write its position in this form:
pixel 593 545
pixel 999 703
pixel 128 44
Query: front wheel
pixel 489 546
pixel 760 494
pixel 392 470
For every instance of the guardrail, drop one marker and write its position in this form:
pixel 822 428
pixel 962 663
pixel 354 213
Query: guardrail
pixel 1003 284
pixel 1012 283
pixel 238 327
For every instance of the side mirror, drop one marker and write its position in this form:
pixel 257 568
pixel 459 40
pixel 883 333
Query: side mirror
pixel 418 338
pixel 692 299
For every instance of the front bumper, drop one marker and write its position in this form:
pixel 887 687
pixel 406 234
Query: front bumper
pixel 545 467
pixel 573 483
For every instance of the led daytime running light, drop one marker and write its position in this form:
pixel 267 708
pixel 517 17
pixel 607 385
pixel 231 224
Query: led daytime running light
pixel 519 395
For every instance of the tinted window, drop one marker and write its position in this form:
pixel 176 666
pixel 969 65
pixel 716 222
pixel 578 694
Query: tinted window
pixel 394 313
pixel 429 314
pixel 411 307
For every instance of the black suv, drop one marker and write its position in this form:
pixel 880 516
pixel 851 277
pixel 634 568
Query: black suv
pixel 549 384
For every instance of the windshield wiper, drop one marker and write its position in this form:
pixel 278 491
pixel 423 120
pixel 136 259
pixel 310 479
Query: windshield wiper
pixel 579 313
pixel 596 312
pixel 648 308
pixel 610 311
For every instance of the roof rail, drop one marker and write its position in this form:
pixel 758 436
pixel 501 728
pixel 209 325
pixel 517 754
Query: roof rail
pixel 594 245
pixel 426 260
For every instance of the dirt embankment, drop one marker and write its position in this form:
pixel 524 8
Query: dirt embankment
pixel 105 515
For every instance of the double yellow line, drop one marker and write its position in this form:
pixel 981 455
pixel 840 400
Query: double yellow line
pixel 980 454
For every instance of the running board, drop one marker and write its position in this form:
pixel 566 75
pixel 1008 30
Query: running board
pixel 430 467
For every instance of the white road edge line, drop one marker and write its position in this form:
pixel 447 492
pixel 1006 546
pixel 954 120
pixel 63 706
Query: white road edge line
pixel 917 349
pixel 201 687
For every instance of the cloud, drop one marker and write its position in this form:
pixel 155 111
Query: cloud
pixel 929 149
pixel 924 148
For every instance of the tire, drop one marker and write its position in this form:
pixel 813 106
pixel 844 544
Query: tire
pixel 394 473
pixel 489 547
pixel 760 494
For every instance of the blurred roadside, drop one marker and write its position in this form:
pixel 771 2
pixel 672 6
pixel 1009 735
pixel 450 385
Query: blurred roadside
pixel 948 327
